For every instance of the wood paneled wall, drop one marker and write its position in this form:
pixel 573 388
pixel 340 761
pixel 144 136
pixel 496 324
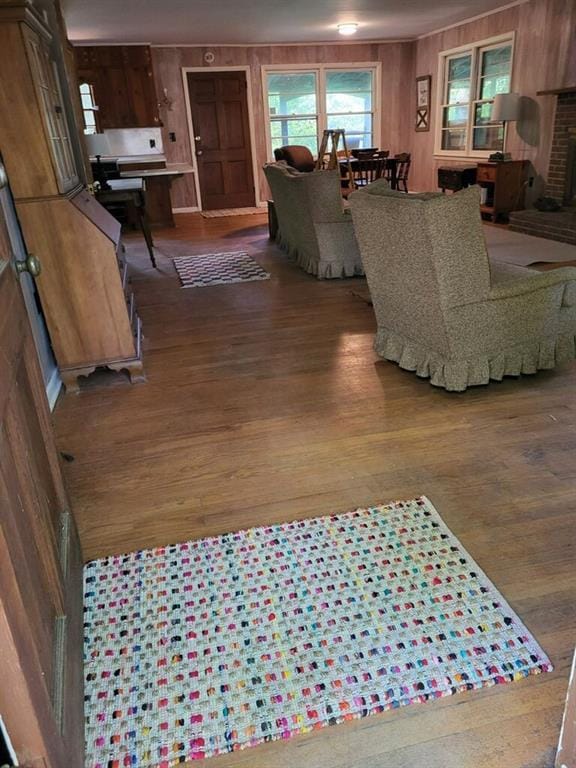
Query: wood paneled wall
pixel 544 57
pixel 397 70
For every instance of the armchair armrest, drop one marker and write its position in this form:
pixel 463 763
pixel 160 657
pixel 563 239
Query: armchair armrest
pixel 563 276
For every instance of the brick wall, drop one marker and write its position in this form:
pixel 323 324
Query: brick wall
pixel 565 120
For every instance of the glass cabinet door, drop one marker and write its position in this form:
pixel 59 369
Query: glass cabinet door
pixel 53 111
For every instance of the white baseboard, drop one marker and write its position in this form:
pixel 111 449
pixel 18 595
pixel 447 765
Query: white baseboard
pixel 53 388
pixel 193 209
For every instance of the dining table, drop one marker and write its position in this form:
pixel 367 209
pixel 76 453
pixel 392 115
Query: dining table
pixel 390 168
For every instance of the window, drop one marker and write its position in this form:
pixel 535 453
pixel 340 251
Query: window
pixel 303 103
pixel 89 108
pixel 293 109
pixel 470 79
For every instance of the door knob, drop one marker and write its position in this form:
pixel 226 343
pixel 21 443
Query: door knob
pixel 31 265
pixel 197 138
pixel 199 152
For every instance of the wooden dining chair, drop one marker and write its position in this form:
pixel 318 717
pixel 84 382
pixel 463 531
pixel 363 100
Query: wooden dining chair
pixel 403 160
pixel 368 169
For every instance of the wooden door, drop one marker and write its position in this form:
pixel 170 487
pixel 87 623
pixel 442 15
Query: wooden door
pixel 219 106
pixel 41 692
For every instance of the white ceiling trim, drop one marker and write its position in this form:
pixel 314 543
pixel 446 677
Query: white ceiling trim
pixel 284 45
pixel 473 18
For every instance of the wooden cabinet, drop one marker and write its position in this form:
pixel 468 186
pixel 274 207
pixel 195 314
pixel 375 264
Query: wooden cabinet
pixel 44 74
pixel 83 285
pixel 504 185
pixel 123 83
pixel 34 128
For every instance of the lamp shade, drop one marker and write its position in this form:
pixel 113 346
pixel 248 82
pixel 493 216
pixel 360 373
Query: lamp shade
pixel 506 107
pixel 98 144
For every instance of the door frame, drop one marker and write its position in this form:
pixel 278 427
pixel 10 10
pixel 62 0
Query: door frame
pixel 191 133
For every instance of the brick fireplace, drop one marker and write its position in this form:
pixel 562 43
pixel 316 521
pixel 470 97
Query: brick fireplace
pixel 561 181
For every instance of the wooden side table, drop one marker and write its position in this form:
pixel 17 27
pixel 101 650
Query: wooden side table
pixel 455 178
pixel 504 185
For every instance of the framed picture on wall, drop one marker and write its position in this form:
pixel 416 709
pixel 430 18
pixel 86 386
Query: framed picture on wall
pixel 423 89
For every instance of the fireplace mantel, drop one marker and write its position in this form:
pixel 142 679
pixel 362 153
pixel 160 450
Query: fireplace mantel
pixel 557 91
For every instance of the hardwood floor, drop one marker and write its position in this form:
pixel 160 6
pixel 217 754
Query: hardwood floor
pixel 265 403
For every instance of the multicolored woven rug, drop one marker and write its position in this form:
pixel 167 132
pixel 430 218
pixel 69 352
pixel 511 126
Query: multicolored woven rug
pixel 218 269
pixel 214 645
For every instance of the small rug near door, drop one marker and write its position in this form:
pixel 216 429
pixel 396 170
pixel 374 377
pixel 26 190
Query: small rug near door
pixel 218 269
pixel 202 648
pixel 231 212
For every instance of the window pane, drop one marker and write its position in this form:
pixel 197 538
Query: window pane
pixel 89 118
pixel 454 139
pixel 458 92
pixel 490 137
pixel 490 86
pixel 349 91
pixel 455 117
pixel 305 141
pixel 351 123
pixel 483 113
pixel 294 132
pixel 459 68
pixel 86 101
pixel 292 94
pixel 359 141
pixel 496 61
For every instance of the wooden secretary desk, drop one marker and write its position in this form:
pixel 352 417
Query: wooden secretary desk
pixel 82 282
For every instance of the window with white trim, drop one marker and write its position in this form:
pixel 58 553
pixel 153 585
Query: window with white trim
pixel 303 103
pixel 89 108
pixel 470 77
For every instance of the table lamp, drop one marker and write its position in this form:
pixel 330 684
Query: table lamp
pixel 506 107
pixel 98 144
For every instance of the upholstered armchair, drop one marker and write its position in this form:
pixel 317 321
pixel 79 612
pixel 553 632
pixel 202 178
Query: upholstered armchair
pixel 313 226
pixel 442 309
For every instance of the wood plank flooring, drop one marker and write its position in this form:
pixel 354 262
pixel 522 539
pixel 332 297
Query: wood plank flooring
pixel 265 403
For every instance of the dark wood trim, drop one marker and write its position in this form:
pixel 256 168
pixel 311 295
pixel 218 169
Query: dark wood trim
pixel 557 91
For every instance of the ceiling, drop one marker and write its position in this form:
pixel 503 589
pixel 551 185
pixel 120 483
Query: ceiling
pixel 241 22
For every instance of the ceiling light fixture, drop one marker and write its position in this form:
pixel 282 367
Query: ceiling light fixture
pixel 350 28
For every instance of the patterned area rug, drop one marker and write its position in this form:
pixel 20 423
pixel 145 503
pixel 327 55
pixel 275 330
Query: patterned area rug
pixel 231 212
pixel 218 269
pixel 214 645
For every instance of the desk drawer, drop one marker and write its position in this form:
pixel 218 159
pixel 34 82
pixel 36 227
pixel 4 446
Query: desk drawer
pixel 486 173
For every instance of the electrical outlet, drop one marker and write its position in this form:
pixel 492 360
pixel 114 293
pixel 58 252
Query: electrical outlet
pixel 172 136
pixel 152 143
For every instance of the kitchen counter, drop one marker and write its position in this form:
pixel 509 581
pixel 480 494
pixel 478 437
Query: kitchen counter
pixel 172 169
pixel 129 159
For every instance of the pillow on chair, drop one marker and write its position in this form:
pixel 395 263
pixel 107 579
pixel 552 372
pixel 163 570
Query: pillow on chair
pixel 297 156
